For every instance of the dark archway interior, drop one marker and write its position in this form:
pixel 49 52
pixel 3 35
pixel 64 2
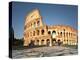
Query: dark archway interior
pixel 48 42
pixel 42 32
pixel 53 41
pixel 49 32
pixel 54 32
pixel 59 42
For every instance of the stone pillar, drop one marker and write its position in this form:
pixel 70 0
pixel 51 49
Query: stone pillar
pixel 39 31
pixel 50 43
pixel 39 42
pixel 45 43
pixel 35 42
pixel 36 24
pixel 63 37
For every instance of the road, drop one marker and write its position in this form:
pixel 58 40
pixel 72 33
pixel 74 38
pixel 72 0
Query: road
pixel 44 52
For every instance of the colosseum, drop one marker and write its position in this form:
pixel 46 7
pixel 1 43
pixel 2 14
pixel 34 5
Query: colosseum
pixel 41 34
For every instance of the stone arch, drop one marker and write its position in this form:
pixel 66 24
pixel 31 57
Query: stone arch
pixel 53 31
pixel 49 32
pixel 42 31
pixel 42 42
pixel 30 33
pixel 59 42
pixel 53 41
pixel 33 33
pixel 48 42
pixel 61 33
pixel 37 32
pixel 37 41
pixel 31 44
pixel 38 23
pixel 31 24
pixel 34 24
pixel 53 34
pixel 67 34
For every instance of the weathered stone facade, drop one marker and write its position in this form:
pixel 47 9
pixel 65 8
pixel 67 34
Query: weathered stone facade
pixel 35 30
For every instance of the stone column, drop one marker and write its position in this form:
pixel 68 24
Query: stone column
pixel 50 43
pixel 35 42
pixel 39 42
pixel 36 24
pixel 45 42
pixel 63 37
pixel 40 32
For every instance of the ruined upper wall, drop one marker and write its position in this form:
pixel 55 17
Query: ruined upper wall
pixel 34 14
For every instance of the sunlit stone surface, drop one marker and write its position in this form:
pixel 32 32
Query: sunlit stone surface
pixel 42 34
pixel 44 52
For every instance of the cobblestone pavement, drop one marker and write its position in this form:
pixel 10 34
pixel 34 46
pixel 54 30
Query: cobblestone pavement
pixel 44 52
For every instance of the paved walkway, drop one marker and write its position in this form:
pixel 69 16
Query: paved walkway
pixel 44 52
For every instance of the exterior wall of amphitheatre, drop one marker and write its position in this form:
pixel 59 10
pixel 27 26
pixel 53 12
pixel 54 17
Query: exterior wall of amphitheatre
pixel 42 34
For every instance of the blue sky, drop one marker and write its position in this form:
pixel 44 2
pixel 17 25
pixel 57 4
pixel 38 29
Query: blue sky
pixel 53 14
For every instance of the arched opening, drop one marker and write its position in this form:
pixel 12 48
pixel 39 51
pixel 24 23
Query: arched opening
pixel 37 32
pixel 64 30
pixel 67 41
pixel 49 32
pixel 38 23
pixel 42 42
pixel 59 42
pixel 53 41
pixel 37 42
pixel 53 34
pixel 31 44
pixel 33 33
pixel 58 33
pixel 48 42
pixel 31 24
pixel 61 33
pixel 42 32
pixel 71 34
pixel 34 24
pixel 67 34
pixel 30 33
